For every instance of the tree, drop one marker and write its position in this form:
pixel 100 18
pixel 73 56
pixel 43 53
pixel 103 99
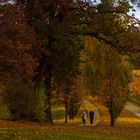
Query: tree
pixel 107 76
pixel 114 90
pixel 18 46
pixel 65 68
pixel 93 67
pixel 19 53
pixel 76 97
pixel 20 99
pixel 135 85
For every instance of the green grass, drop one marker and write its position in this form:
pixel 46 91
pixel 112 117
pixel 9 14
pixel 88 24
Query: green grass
pixel 4 113
pixel 125 118
pixel 136 72
pixel 58 114
pixel 61 134
pixel 135 101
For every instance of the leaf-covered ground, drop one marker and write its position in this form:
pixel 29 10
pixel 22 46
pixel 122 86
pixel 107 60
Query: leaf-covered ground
pixel 23 130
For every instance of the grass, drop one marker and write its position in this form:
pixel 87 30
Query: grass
pixel 135 101
pixel 125 118
pixel 69 133
pixel 58 113
pixel 136 72
pixel 4 113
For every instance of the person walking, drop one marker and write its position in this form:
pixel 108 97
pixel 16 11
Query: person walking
pixel 91 116
pixel 84 115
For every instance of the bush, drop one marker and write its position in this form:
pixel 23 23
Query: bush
pixel 39 110
pixel 20 99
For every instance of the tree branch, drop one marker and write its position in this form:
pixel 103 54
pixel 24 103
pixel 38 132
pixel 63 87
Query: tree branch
pixel 122 49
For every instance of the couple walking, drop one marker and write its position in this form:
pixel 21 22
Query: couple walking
pixel 91 117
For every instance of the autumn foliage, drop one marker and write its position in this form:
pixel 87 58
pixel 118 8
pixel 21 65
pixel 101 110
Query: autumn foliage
pixel 41 43
pixel 135 84
pixel 18 46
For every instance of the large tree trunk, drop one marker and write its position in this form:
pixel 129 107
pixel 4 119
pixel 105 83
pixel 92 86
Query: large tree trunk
pixel 44 77
pixel 66 100
pixel 71 109
pixel 111 109
pixel 112 121
pixel 48 93
pixel 112 115
pixel 66 110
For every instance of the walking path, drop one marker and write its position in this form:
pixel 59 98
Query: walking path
pixel 89 106
pixel 97 118
pixel 133 108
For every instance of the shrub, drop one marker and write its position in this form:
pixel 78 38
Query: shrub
pixel 40 108
pixel 20 99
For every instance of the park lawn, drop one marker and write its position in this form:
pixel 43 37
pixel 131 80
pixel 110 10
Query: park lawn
pixel 127 127
pixel 125 118
pixel 4 113
pixel 58 113
pixel 67 132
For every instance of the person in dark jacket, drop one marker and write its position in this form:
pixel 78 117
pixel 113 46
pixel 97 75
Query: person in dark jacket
pixel 91 116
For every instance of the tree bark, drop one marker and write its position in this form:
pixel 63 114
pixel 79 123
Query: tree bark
pixel 48 81
pixel 66 110
pixel 112 117
pixel 111 100
pixel 112 120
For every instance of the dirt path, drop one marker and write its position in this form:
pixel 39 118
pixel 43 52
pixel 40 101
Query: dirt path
pixel 89 106
pixel 133 108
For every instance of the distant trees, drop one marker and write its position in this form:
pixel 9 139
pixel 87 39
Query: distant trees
pixel 135 85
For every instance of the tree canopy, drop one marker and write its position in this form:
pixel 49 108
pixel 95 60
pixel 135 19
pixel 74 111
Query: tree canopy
pixel 42 41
